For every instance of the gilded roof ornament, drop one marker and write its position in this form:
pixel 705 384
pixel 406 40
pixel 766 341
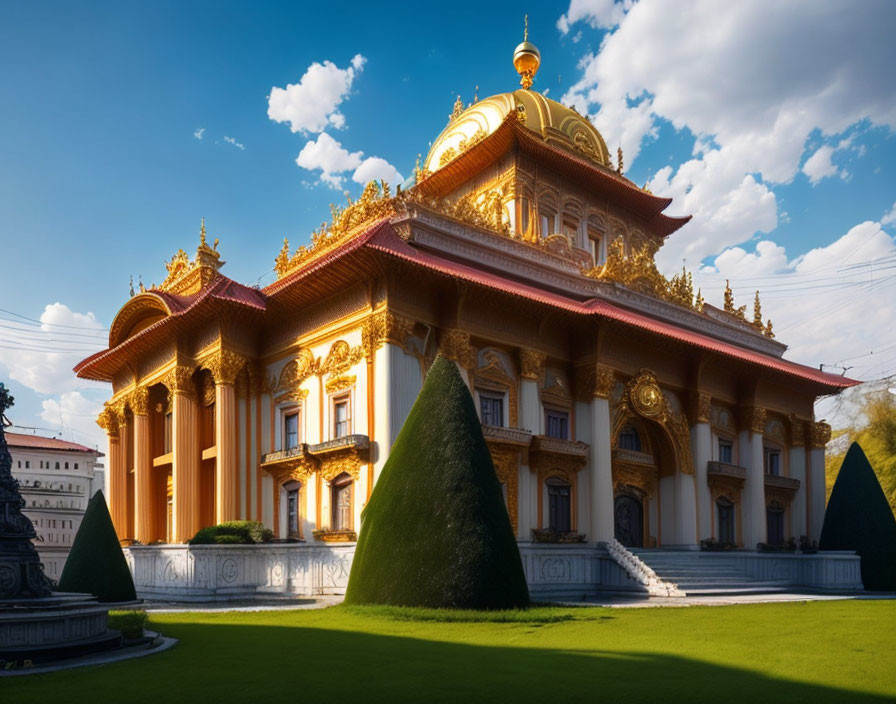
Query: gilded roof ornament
pixel 757 311
pixel 526 58
pixel 729 303
pixel 619 164
pixel 187 277
pixel 457 110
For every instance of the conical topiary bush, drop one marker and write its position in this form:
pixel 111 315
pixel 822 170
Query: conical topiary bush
pixel 96 564
pixel 436 532
pixel 859 518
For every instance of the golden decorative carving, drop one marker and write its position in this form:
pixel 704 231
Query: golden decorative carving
pixel 584 145
pixel 604 380
pixel 206 389
pixel 628 475
pixel 343 462
pixel 447 156
pixel 507 470
pixel 339 383
pixel 643 397
pixel 138 401
pixel 340 359
pixel 729 304
pixel 532 364
pixel 703 407
pixel 299 468
pixel 180 381
pixel 797 432
pixel 384 327
pixel 294 373
pixel 753 419
pixel 493 375
pixel 187 277
pixel 295 395
pixel 335 536
pixel 455 345
pixel 108 421
pixel 820 434
pixel 593 381
pixel 774 430
pixel 224 365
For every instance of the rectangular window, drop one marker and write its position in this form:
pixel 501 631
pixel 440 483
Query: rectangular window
pixel 292 513
pixel 775 518
pixel 57 465
pixel 571 229
pixel 291 430
pixel 492 408
pixel 772 462
pixel 594 244
pixel 557 424
pixel 341 496
pixel 726 451
pixel 342 416
pixel 66 465
pixel 76 465
pixel 558 507
pixel 27 464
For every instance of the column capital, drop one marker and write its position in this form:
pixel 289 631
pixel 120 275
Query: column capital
pixel 752 418
pixel 180 381
pixel 701 406
pixel 108 421
pixel 532 364
pixel 382 327
pixel 594 381
pixel 138 401
pixel 797 432
pixel 820 434
pixel 455 345
pixel 224 365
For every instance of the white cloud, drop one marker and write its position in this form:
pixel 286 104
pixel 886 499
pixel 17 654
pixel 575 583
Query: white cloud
pixel 75 412
pixel 42 357
pixel 828 304
pixel 819 165
pixel 751 81
pixel 327 154
pixel 333 161
pixel 199 133
pixel 374 168
pixel 238 145
pixel 312 104
pixel 889 217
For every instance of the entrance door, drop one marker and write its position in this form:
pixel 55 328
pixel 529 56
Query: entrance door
pixel 629 521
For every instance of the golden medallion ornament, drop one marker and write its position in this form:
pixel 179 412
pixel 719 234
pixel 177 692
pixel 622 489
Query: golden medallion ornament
pixel 646 396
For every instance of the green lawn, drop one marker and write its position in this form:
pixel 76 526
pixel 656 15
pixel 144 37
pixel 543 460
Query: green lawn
pixel 843 651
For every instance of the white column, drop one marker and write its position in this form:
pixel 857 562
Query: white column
pixel 529 419
pixel 685 509
pixel 701 442
pixel 754 487
pixel 798 525
pixel 821 433
pixel 397 381
pixel 601 468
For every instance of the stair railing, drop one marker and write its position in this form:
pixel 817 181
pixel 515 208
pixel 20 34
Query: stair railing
pixel 640 571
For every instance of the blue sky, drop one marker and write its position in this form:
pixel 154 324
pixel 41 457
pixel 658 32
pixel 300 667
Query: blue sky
pixel 102 176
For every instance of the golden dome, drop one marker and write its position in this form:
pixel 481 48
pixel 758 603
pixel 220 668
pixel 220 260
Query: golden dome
pixel 556 124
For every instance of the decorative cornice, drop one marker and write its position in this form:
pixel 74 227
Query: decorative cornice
pixel 820 434
pixel 384 327
pixel 532 364
pixel 340 383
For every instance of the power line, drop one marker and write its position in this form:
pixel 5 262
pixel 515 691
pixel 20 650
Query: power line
pixel 55 325
pixel 32 331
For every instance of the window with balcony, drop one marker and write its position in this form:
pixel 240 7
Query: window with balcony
pixel 726 451
pixel 491 407
pixel 773 461
pixel 291 429
pixel 557 424
pixel 629 439
pixel 342 416
pixel 559 493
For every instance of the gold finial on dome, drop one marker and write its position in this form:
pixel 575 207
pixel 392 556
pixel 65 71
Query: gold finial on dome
pixel 526 58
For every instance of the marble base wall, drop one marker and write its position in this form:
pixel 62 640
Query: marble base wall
pixel 224 572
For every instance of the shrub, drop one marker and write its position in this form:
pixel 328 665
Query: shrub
pixel 233 533
pixel 859 518
pixel 130 623
pixel 435 532
pixel 96 564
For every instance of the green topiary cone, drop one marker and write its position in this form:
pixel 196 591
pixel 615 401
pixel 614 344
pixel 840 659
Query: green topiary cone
pixel 96 564
pixel 436 532
pixel 859 518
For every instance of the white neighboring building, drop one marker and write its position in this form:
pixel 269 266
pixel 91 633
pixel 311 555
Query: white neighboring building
pixel 56 479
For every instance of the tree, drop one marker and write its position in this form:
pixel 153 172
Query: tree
pixel 436 532
pixel 859 518
pixel 96 564
pixel 875 430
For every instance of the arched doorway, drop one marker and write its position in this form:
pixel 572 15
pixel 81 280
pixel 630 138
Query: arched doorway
pixel 629 520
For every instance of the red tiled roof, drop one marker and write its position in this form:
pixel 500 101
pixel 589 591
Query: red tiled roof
pixel 386 240
pixel 38 442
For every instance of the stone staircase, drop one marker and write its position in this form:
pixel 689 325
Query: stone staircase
pixel 703 574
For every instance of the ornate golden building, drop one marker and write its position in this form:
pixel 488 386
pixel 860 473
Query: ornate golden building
pixel 617 402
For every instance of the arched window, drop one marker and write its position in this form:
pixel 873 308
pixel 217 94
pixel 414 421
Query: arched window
pixel 725 511
pixel 595 235
pixel 559 504
pixel 341 502
pixel 548 213
pixel 629 439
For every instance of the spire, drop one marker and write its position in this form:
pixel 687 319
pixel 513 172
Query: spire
pixel 202 234
pixel 526 58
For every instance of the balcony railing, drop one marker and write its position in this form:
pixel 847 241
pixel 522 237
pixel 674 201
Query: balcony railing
pixel 506 436
pixel 723 469
pixel 785 484
pixel 573 448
